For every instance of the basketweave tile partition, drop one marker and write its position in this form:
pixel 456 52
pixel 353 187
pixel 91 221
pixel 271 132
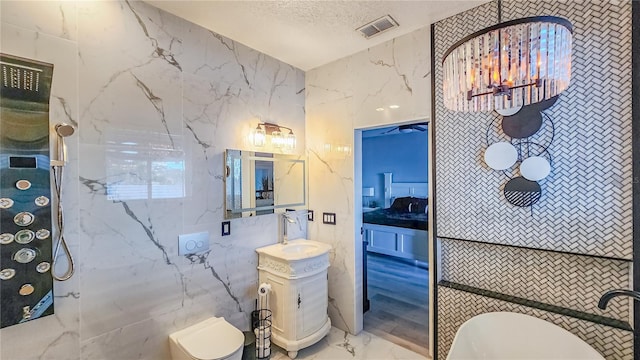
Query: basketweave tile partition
pixel 455 307
pixel 566 280
pixel 586 201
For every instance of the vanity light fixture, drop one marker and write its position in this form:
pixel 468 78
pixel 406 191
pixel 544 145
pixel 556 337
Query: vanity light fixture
pixel 278 139
pixel 259 137
pixel 290 141
pixel 379 109
pixel 394 106
pixel 508 65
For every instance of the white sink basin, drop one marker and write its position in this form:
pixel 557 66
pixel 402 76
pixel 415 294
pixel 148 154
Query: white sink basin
pixel 299 248
pixel 295 250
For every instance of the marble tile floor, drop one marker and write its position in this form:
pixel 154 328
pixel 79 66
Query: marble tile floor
pixel 338 345
pixel 398 292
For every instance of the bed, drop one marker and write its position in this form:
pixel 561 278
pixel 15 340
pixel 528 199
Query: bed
pixel 399 229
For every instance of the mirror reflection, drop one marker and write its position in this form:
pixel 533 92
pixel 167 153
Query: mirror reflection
pixel 259 183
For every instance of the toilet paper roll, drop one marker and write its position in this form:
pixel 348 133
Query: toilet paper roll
pixel 263 328
pixel 264 289
pixel 263 344
pixel 262 353
pixel 262 332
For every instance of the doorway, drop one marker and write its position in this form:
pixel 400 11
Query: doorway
pixel 392 165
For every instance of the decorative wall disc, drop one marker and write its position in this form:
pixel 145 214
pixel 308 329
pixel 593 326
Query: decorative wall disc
pixel 522 192
pixel 509 112
pixel 501 155
pixel 527 121
pixel 535 168
pixel 542 138
pixel 520 127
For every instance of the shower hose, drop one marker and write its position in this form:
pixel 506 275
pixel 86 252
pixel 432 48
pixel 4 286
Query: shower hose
pixel 60 241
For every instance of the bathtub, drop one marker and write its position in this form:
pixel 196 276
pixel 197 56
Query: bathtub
pixel 506 335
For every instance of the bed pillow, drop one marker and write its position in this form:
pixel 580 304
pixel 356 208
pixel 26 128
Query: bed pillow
pixel 419 205
pixel 401 204
pixel 410 205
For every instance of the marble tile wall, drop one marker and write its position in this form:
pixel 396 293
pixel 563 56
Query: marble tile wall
pixel 156 100
pixel 341 97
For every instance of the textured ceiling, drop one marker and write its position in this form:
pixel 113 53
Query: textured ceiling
pixel 308 34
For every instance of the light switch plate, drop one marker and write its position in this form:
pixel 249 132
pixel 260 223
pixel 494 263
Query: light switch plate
pixel 193 243
pixel 329 218
pixel 226 228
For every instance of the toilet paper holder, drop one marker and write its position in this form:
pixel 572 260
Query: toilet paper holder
pixel 262 330
pixel 261 322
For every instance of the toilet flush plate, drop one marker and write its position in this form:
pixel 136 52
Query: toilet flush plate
pixel 193 243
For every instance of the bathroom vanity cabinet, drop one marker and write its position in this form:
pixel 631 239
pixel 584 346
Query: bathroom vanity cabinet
pixel 298 299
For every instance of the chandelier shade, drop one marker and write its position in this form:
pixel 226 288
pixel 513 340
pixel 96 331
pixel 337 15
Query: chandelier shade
pixel 511 64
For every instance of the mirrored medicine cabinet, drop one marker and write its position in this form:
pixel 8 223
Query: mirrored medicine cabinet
pixel 259 183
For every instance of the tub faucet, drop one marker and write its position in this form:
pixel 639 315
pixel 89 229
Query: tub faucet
pixel 604 300
pixel 285 220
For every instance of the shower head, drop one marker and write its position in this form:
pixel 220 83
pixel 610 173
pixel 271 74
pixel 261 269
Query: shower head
pixel 64 130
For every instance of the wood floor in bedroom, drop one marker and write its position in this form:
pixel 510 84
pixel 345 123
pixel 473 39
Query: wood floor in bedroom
pixel 398 292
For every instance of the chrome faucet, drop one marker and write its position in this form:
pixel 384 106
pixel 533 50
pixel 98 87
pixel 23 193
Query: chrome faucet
pixel 285 220
pixel 604 300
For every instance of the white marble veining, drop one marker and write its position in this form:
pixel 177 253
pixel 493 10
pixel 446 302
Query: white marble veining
pixel 341 97
pixel 338 345
pixel 156 100
pixel 397 72
pixel 55 18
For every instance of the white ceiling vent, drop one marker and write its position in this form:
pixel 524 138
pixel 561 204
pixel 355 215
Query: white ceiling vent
pixel 377 26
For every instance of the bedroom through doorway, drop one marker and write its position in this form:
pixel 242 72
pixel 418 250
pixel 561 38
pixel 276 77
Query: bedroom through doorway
pixel 393 168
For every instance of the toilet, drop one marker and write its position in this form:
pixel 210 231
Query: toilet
pixel 211 339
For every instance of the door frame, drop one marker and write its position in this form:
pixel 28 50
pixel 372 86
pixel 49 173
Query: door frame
pixel 433 257
pixel 635 126
pixel 434 245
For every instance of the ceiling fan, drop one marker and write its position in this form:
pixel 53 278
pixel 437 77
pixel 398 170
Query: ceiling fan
pixel 408 128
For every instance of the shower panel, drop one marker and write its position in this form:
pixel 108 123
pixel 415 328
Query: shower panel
pixel 26 284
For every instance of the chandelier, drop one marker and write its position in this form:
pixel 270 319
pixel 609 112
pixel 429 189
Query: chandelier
pixel 508 65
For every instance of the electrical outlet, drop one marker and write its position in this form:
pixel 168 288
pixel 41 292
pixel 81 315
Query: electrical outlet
pixel 193 243
pixel 329 218
pixel 310 215
pixel 226 228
